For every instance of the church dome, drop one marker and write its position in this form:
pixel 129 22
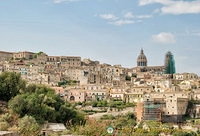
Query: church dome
pixel 142 60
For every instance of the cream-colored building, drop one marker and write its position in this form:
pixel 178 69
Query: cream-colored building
pixel 185 76
pixel 23 55
pixel 5 56
pixel 175 103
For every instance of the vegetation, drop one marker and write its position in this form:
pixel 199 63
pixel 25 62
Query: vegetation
pixel 67 82
pixel 30 106
pixel 28 126
pixel 11 84
pixel 91 128
pixel 36 54
pixel 111 104
pixel 128 121
pixel 128 78
pixel 184 134
pixel 41 103
pixel 153 124
pixel 190 107
pixel 107 117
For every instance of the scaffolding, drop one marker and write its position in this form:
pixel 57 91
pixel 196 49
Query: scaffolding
pixel 151 111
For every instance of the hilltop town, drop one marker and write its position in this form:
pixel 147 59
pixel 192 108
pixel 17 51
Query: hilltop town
pixel 158 93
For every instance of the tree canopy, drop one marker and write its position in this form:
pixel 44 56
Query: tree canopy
pixel 10 85
pixel 41 103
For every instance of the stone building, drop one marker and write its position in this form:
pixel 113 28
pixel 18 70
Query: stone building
pixel 23 55
pixel 73 73
pixel 141 60
pixel 65 61
pixel 76 95
pixel 172 105
pixel 5 56
pixel 142 65
pixel 185 76
pixel 136 94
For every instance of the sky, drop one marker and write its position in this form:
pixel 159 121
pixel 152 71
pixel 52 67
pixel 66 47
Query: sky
pixel 110 31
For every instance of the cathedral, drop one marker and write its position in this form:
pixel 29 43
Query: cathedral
pixel 167 68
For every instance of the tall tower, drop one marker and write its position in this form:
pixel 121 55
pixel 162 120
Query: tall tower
pixel 169 64
pixel 141 60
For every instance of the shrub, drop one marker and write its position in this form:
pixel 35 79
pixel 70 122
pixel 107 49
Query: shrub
pixel 28 126
pixel 6 118
pixel 107 117
pixel 4 126
pixel 92 128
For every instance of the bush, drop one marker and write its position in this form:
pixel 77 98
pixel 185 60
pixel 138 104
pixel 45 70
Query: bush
pixel 28 126
pixel 11 84
pixel 6 118
pixel 41 103
pixel 4 126
pixel 94 104
pixel 184 134
pixel 92 128
pixel 128 78
pixel 153 124
pixel 107 117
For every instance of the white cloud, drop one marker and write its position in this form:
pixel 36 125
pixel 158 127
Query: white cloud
pixel 144 16
pixel 60 1
pixel 129 15
pixel 175 7
pixel 122 22
pixel 196 34
pixel 182 7
pixel 108 16
pixel 146 2
pixel 164 38
pixel 126 19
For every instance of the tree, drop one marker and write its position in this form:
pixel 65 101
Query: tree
pixel 36 54
pixel 128 78
pixel 41 103
pixel 10 85
pixel 28 126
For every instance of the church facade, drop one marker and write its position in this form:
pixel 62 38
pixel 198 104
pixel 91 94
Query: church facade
pixel 143 67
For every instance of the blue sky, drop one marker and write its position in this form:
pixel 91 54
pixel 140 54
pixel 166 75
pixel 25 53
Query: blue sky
pixel 111 31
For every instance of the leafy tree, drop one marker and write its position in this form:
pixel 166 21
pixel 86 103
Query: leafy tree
pixel 10 85
pixel 28 126
pixel 128 78
pixel 36 54
pixel 41 103
pixel 94 104
pixel 131 116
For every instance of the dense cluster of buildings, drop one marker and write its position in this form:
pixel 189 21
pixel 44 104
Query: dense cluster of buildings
pixel 160 93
